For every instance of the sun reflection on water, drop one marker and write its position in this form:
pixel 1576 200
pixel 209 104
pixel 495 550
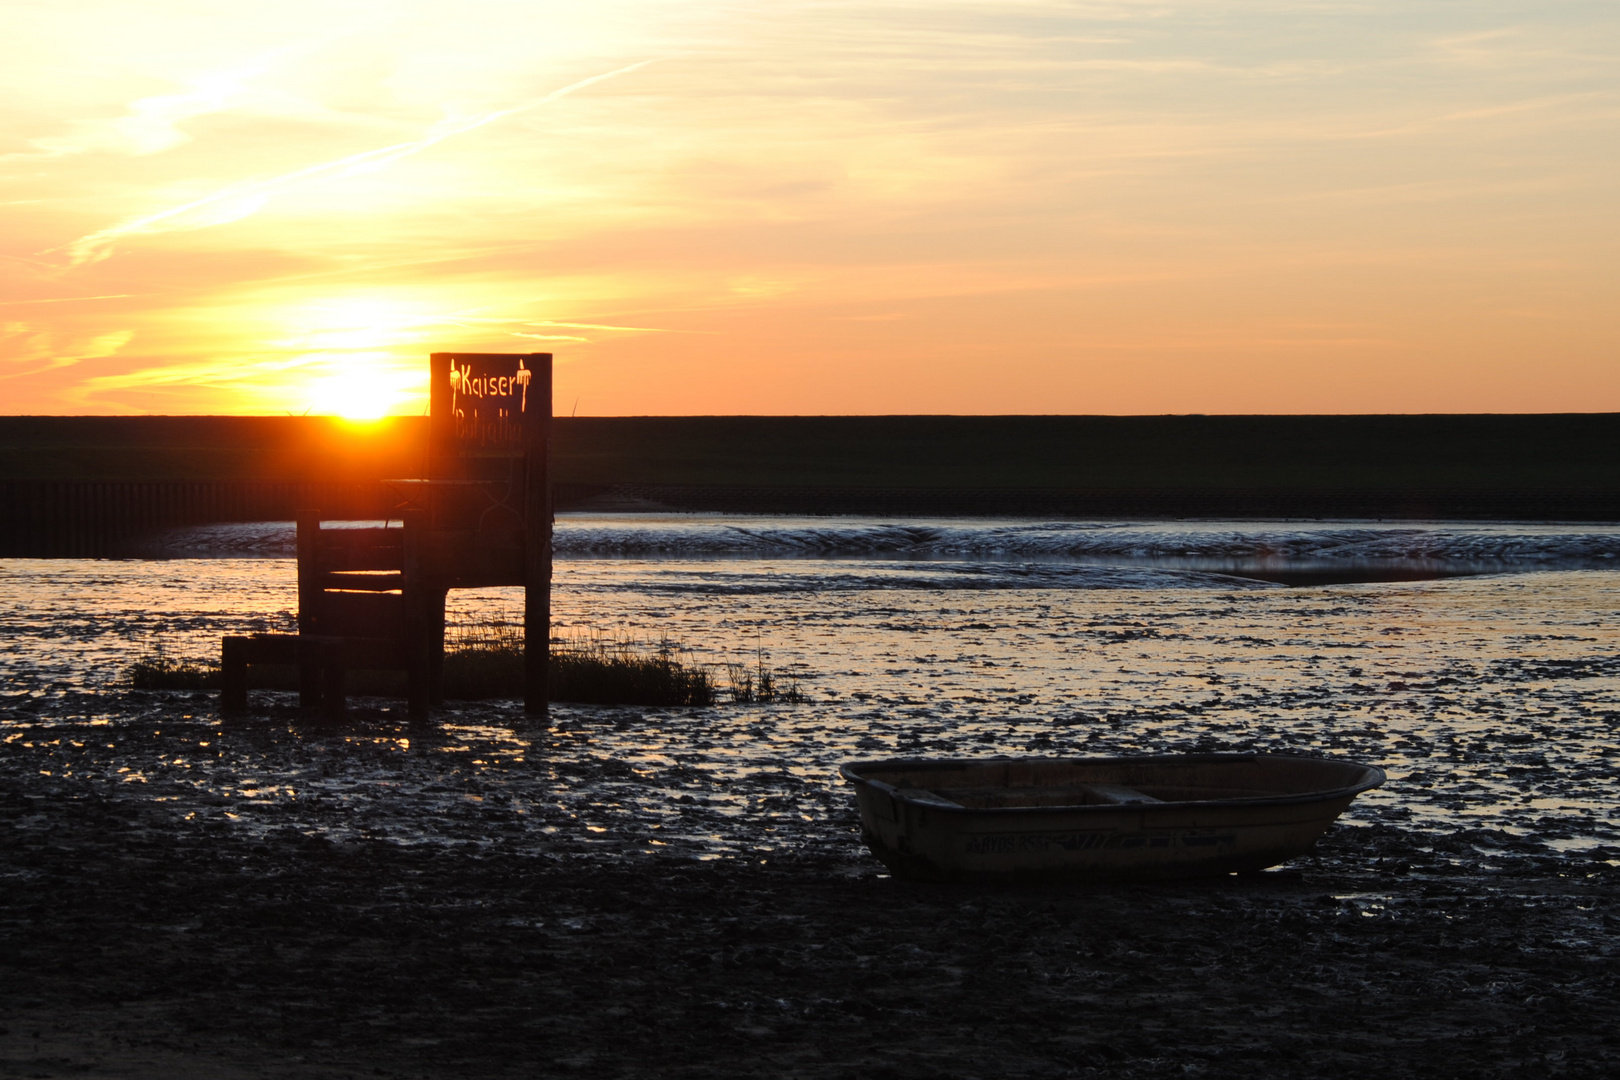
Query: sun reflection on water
pixel 1491 703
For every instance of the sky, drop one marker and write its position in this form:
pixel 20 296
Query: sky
pixel 813 208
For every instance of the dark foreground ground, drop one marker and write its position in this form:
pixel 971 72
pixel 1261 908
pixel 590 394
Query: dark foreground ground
pixel 136 942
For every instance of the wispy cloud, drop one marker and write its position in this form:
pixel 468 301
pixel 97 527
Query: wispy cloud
pixel 152 124
pixel 66 299
pixel 549 324
pixel 33 349
pixel 546 337
pixel 241 200
pixel 604 326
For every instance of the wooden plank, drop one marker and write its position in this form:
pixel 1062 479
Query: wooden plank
pixel 418 595
pixel 270 649
pixel 1076 794
pixel 364 581
pixel 387 654
pixel 309 588
pixel 378 558
pixel 345 539
pixel 480 404
pixel 359 549
pixel 358 614
pixel 927 798
pixel 1119 793
pixel 537 543
pixel 233 673
pixel 464 559
pixel 442 463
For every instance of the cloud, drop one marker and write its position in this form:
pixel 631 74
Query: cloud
pixel 38 349
pixel 547 337
pixel 551 324
pixel 604 326
pixel 152 124
pixel 242 200
pixel 65 299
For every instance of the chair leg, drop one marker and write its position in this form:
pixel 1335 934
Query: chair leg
pixel 311 659
pixel 233 674
pixel 334 671
pixel 309 683
pixel 435 644
pixel 419 682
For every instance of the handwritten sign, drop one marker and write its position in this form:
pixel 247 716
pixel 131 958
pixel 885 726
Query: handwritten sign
pixel 485 403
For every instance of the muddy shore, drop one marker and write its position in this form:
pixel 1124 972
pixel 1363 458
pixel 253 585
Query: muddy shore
pixel 462 929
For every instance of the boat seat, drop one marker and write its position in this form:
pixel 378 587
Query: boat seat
pixel 926 797
pixel 1062 795
pixel 1119 793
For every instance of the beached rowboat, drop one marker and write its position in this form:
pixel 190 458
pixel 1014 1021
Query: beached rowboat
pixel 1184 815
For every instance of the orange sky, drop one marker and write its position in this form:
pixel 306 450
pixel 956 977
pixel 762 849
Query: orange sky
pixel 940 207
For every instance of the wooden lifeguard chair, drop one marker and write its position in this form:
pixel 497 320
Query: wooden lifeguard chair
pixel 480 518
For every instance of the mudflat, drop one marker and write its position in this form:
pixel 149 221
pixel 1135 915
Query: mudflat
pixel 623 892
pixel 143 933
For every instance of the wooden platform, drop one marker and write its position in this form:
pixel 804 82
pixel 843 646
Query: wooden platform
pixel 373 597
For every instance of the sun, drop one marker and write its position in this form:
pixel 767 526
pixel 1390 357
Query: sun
pixel 362 357
pixel 364 387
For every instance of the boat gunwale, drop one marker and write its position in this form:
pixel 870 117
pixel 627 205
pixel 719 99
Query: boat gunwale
pixel 1376 777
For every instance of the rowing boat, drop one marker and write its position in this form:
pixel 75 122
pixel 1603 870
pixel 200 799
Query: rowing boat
pixel 1169 816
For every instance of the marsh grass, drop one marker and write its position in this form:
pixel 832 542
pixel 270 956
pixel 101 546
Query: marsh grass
pixel 599 671
pixel 759 685
pixel 156 670
pixel 485 661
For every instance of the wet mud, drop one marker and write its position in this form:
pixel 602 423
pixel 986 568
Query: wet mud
pixel 683 893
pixel 268 897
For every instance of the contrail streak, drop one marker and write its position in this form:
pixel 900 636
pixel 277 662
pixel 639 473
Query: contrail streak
pixel 240 200
pixel 67 299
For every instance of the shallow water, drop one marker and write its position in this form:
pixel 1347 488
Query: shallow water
pixel 1493 701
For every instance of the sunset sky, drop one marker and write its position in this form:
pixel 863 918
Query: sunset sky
pixel 940 207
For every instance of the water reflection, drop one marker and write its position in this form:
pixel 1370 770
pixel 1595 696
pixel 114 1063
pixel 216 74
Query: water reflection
pixel 1492 701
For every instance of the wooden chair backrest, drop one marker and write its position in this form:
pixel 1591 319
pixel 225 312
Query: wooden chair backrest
pixel 353 583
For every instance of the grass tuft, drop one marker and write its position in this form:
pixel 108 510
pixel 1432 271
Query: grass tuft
pixel 618 672
pixel 486 661
pixel 157 670
pixel 759 686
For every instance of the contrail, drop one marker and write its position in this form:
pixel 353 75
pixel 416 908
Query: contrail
pixel 602 326
pixel 240 200
pixel 67 299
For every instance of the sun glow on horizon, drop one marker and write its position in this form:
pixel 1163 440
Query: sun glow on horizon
pixel 364 355
pixel 361 386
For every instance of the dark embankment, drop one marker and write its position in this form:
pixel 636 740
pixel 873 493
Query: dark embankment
pixel 69 483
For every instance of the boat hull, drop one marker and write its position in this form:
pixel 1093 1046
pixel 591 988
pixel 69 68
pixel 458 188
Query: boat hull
pixel 1248 813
